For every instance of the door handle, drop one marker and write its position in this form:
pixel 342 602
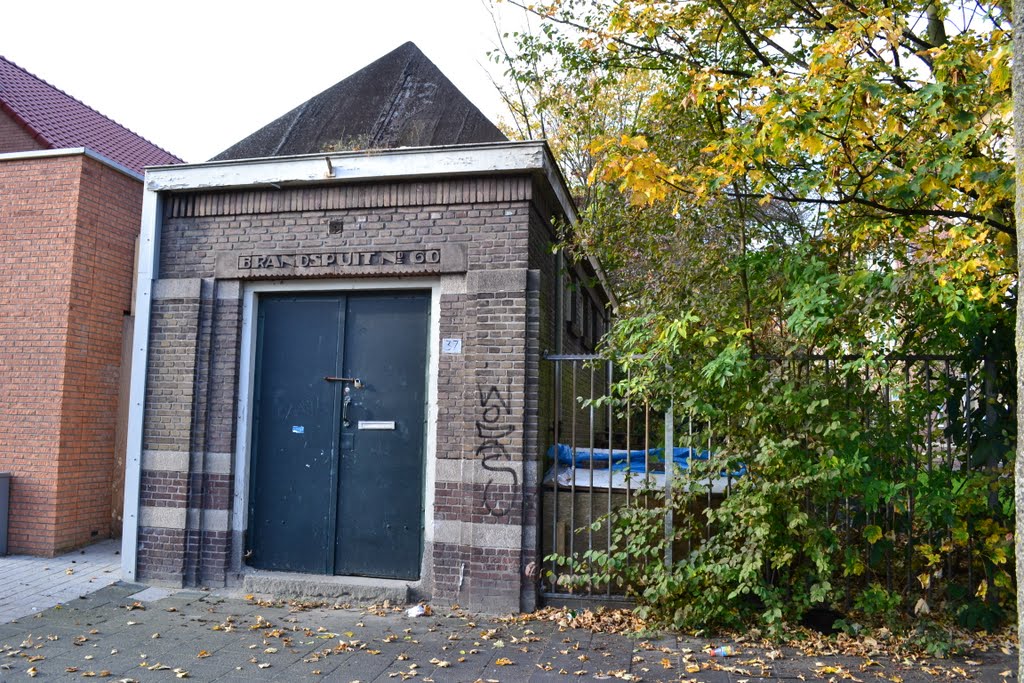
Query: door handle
pixel 344 409
pixel 356 382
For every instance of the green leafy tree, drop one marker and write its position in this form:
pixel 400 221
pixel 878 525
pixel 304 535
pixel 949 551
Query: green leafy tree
pixel 806 178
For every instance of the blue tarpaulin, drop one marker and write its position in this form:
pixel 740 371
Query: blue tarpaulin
pixel 621 460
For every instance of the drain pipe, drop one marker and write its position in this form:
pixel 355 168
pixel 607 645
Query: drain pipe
pixel 149 256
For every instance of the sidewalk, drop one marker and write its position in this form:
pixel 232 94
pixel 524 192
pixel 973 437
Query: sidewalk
pixel 29 585
pixel 129 633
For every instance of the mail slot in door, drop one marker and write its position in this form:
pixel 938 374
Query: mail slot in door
pixel 379 425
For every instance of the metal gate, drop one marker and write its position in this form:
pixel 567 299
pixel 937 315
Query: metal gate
pixel 601 456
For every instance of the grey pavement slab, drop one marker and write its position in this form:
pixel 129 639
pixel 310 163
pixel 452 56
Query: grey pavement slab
pixel 29 585
pixel 125 632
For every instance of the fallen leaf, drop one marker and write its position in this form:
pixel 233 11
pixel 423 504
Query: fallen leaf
pixel 503 661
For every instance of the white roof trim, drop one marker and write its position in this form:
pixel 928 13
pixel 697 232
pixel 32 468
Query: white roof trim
pixel 67 152
pixel 410 162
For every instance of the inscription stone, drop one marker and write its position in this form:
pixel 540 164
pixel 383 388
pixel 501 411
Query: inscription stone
pixel 447 258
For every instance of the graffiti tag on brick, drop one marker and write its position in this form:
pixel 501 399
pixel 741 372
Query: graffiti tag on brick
pixel 492 438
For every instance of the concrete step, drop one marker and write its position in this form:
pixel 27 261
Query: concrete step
pixel 351 589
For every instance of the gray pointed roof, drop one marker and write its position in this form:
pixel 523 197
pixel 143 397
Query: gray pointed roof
pixel 400 100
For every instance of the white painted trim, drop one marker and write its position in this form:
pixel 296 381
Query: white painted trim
pixel 149 254
pixel 243 422
pixel 246 381
pixel 415 162
pixel 68 152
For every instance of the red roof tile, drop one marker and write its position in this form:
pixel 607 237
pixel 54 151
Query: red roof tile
pixel 61 121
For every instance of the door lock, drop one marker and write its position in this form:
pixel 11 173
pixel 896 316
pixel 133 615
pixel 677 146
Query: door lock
pixel 356 382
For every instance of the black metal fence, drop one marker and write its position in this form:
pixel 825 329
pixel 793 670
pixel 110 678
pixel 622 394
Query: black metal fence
pixel 933 414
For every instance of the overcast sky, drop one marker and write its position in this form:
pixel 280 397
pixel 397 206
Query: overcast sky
pixel 197 76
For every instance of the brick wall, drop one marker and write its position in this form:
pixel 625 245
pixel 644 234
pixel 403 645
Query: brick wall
pixel 14 137
pixel 109 210
pixel 67 227
pixel 487 443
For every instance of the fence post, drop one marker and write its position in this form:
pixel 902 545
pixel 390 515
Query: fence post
pixel 670 441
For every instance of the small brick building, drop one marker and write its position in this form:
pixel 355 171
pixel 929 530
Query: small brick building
pixel 70 203
pixel 344 372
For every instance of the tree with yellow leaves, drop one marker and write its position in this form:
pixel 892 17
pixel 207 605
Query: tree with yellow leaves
pixel 807 178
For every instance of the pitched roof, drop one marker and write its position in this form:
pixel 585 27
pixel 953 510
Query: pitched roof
pixel 60 121
pixel 400 100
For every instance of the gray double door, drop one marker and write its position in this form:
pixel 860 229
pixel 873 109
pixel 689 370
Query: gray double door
pixel 337 461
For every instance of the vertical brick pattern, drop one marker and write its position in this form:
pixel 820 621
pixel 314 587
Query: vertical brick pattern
pixel 498 397
pixel 67 228
pixel 199 434
pixel 533 457
pixel 542 338
pixel 212 432
pixel 169 384
pixel 451 379
pixel 221 401
pixel 191 395
pixel 168 426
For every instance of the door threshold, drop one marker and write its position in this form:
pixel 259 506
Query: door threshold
pixel 351 589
